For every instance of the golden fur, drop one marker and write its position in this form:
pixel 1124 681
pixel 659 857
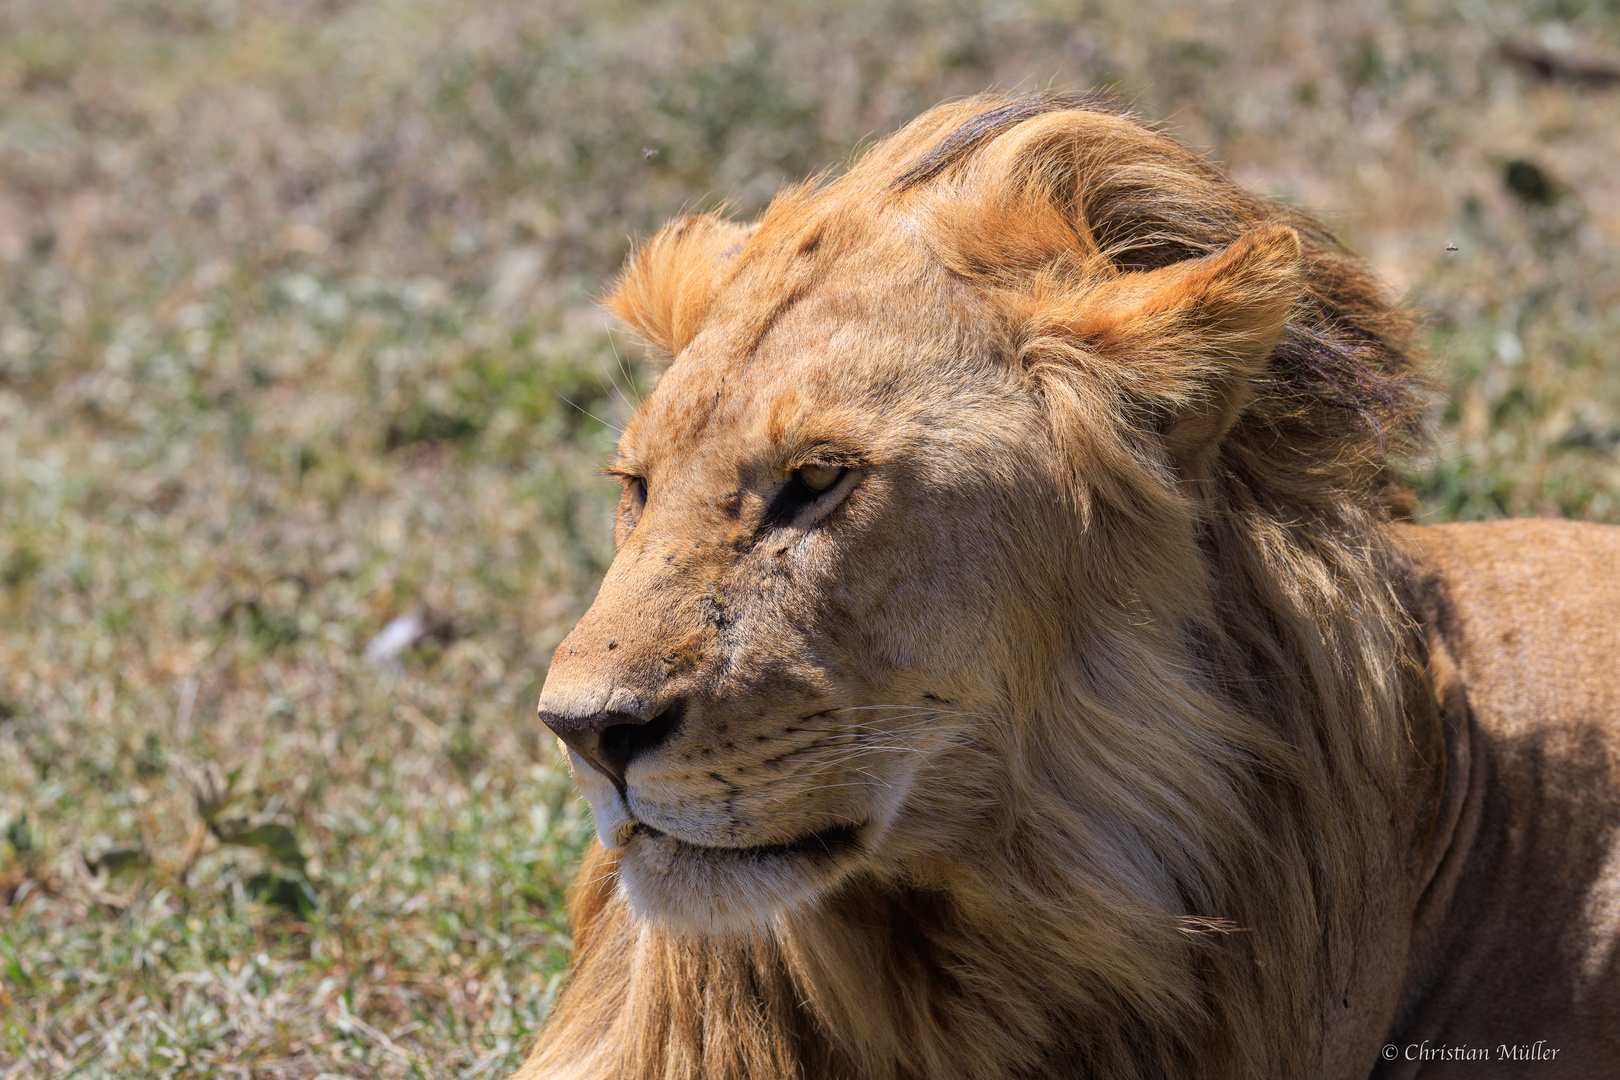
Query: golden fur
pixel 1098 720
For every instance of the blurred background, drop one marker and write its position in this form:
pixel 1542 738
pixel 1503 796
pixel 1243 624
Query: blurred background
pixel 303 384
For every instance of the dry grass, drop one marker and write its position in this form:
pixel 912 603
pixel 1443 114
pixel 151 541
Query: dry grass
pixel 297 337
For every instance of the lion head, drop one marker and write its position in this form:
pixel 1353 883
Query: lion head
pixel 1001 549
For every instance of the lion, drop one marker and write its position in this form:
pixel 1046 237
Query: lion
pixel 1018 660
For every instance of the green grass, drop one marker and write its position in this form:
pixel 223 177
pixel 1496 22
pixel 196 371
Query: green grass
pixel 298 335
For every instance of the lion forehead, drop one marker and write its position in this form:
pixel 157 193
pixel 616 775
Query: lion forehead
pixel 827 374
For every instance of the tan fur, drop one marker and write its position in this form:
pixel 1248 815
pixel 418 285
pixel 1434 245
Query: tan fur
pixel 1101 721
pixel 665 292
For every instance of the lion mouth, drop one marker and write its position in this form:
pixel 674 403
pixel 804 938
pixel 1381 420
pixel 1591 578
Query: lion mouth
pixel 827 844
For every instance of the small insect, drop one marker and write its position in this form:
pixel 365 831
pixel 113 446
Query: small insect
pixel 1451 248
pixel 648 153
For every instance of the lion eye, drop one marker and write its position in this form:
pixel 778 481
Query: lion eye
pixel 631 504
pixel 807 494
pixel 818 478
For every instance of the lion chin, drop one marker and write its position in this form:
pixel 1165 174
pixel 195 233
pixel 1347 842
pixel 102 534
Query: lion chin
pixel 720 889
pixel 1017 660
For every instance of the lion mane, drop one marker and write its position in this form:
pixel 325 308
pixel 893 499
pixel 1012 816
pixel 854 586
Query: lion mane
pixel 1093 722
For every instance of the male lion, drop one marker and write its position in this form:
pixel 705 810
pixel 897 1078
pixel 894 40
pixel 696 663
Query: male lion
pixel 1014 664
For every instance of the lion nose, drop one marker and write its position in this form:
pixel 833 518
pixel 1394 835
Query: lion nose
pixel 609 741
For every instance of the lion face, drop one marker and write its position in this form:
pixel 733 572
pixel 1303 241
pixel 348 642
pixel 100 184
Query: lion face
pixel 865 505
pixel 784 641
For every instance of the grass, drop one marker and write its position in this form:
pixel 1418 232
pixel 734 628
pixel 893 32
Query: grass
pixel 298 338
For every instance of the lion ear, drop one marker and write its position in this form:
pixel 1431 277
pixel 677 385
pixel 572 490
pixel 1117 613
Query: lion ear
pixel 1188 339
pixel 665 290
